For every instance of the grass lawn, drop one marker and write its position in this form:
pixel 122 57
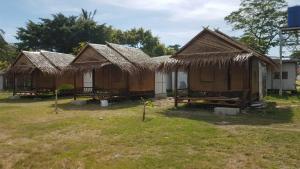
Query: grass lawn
pixel 33 136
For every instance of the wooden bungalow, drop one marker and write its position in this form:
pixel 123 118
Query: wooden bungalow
pixel 221 71
pixel 113 71
pixel 40 72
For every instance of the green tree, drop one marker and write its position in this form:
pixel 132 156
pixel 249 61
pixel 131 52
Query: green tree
pixel 172 49
pixel 7 52
pixel 2 41
pixel 62 33
pixel 66 33
pixel 260 20
pixel 296 54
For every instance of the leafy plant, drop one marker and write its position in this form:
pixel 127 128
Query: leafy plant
pixel 146 103
pixel 65 89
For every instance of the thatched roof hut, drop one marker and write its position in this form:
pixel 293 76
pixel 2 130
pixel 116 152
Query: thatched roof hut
pixel 219 70
pixel 114 68
pixel 45 61
pixel 38 72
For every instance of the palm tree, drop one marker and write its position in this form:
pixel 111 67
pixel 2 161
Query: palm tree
pixel 2 41
pixel 86 15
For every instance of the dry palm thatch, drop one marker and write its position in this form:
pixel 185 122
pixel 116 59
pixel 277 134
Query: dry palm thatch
pixel 205 59
pixel 128 59
pixel 46 62
pixel 59 60
pixel 134 55
pixel 111 57
pixel 216 49
pixel 161 59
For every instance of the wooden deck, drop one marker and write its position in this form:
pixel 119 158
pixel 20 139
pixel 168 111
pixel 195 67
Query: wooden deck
pixel 223 98
pixel 104 94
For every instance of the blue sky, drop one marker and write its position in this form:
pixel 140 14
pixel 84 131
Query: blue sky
pixel 174 21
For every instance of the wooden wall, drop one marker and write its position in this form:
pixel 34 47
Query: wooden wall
pixel 90 55
pixel 212 78
pixel 68 78
pixel 254 79
pixel 41 80
pixel 111 78
pixel 239 76
pixel 146 82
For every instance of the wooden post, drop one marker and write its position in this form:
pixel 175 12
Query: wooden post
pixel 229 77
pixel 93 79
pixel 175 86
pixel 188 85
pixel 14 83
pixel 75 87
pixel 250 78
pixel 144 111
pixel 54 84
pixel 56 101
pixel 127 85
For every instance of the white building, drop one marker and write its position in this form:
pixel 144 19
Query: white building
pixel 165 82
pixel 289 76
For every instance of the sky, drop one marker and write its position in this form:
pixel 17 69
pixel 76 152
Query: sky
pixel 173 21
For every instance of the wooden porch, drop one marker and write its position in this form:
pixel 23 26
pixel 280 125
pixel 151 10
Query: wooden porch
pixel 236 98
pixel 109 94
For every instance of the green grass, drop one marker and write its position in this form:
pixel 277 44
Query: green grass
pixel 33 136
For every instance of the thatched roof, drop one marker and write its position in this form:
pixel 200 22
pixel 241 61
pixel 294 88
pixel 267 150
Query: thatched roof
pixel 161 59
pixel 134 55
pixel 45 61
pixel 128 59
pixel 114 57
pixel 212 48
pixel 59 60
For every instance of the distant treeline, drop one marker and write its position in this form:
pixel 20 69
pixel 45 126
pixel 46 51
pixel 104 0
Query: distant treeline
pixel 66 33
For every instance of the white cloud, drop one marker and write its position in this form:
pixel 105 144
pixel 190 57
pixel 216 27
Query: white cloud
pixel 178 10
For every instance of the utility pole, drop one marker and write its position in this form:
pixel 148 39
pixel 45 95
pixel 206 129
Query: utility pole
pixel 280 55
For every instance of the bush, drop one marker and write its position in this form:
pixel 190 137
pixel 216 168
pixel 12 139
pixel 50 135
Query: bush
pixel 65 89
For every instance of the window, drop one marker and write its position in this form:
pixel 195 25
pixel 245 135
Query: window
pixel 276 75
pixel 285 75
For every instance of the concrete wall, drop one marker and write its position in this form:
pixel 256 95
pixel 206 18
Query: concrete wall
pixel 161 81
pixel 166 81
pixel 287 84
pixel 262 80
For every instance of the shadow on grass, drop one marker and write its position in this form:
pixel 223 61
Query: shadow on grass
pixel 27 99
pixel 269 115
pixel 93 105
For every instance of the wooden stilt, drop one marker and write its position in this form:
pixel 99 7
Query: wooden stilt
pixel 93 79
pixel 250 79
pixel 54 84
pixel 127 85
pixel 75 88
pixel 188 86
pixel 14 83
pixel 175 86
pixel 229 77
